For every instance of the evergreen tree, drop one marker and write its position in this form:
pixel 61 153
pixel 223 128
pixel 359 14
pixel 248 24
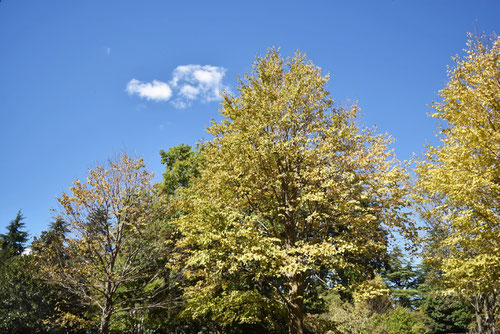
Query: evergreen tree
pixel 13 242
pixel 403 278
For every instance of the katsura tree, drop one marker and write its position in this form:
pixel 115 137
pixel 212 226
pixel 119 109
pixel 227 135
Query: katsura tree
pixel 111 246
pixel 459 182
pixel 291 194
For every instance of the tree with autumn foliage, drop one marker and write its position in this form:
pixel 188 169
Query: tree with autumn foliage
pixel 291 194
pixel 459 182
pixel 112 247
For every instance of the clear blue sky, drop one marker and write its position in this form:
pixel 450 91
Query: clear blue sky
pixel 68 99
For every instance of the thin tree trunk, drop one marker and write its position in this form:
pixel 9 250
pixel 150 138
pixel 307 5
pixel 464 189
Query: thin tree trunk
pixel 477 312
pixel 105 317
pixel 106 311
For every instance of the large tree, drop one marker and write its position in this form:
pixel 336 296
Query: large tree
pixel 291 193
pixel 112 248
pixel 459 182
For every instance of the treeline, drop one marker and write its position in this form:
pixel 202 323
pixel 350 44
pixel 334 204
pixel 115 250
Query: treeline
pixel 281 222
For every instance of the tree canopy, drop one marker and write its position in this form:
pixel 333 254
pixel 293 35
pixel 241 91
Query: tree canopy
pixel 108 246
pixel 281 221
pixel 459 181
pixel 181 165
pixel 292 193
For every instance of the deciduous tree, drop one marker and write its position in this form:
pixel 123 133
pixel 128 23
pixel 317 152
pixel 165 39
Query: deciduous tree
pixel 114 253
pixel 291 193
pixel 459 181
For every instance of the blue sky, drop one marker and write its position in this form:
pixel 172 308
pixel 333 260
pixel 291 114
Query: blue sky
pixel 81 81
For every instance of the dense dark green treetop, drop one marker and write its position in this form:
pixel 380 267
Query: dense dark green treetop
pixel 403 278
pixel 13 242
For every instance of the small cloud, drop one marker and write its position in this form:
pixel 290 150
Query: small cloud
pixel 189 83
pixel 108 51
pixel 198 82
pixel 156 90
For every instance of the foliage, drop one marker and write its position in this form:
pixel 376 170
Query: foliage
pixel 356 316
pixel 459 182
pixel 181 164
pixel 22 308
pixel 13 242
pixel 446 314
pixel 367 314
pixel 114 254
pixel 341 317
pixel 291 194
pixel 28 304
pixel 403 279
pixel 399 320
pixel 279 223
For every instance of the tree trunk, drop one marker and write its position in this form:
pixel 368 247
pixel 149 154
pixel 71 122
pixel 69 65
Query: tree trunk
pixel 106 311
pixel 105 317
pixel 477 313
pixel 484 312
pixel 489 313
pixel 296 305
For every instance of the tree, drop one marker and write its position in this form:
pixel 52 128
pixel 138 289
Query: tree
pixel 399 320
pixel 291 194
pixel 29 305
pixel 26 301
pixel 181 164
pixel 114 252
pixel 13 242
pixel 445 313
pixel 459 182
pixel 403 279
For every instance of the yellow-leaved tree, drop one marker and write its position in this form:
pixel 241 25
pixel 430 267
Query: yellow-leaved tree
pixel 459 182
pixel 111 248
pixel 291 194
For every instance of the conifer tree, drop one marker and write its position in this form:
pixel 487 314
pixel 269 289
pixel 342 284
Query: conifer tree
pixel 14 241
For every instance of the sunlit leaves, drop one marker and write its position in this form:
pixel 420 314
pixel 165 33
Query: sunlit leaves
pixel 112 249
pixel 291 189
pixel 459 180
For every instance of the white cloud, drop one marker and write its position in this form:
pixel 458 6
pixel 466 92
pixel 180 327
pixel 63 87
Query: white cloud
pixel 189 83
pixel 179 103
pixel 199 82
pixel 189 92
pixel 156 90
